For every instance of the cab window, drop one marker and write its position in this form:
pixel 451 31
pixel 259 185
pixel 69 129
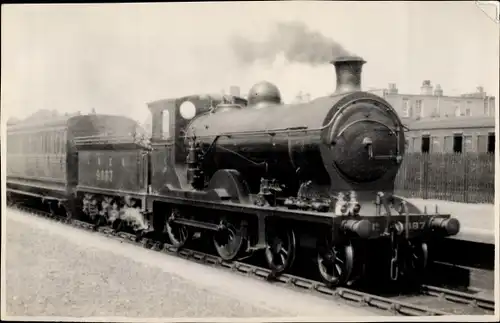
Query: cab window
pixel 165 124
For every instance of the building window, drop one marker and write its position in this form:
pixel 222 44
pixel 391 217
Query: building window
pixel 419 108
pixel 448 144
pixel 457 143
pixel 458 113
pixel 406 108
pixel 436 145
pixel 486 107
pixel 491 142
pixel 467 112
pixel 482 144
pixel 468 144
pixel 426 143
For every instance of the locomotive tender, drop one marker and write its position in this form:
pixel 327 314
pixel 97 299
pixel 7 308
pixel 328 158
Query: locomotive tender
pixel 256 175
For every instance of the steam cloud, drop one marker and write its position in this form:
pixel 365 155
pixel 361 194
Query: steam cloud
pixel 295 40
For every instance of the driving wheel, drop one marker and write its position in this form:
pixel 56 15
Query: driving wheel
pixel 228 241
pixel 280 250
pixel 335 263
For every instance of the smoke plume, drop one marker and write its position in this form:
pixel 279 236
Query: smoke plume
pixel 294 40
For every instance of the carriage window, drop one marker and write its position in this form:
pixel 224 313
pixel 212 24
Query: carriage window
pixel 426 143
pixel 457 143
pixel 45 145
pixel 110 161
pixel 491 142
pixel 36 142
pixel 49 142
pixel 40 137
pixel 123 161
pixel 166 124
pixel 482 144
pixel 63 141
pixel 53 142
pixel 56 142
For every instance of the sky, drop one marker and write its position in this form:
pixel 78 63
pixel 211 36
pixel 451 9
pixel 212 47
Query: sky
pixel 115 58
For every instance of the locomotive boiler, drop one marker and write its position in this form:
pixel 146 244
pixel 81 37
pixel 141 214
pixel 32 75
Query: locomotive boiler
pixel 348 141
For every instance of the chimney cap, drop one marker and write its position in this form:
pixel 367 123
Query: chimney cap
pixel 344 59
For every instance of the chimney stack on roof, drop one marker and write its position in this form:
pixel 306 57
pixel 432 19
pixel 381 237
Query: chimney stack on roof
pixel 438 91
pixel 426 88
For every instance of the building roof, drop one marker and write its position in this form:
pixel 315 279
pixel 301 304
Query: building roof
pixel 450 123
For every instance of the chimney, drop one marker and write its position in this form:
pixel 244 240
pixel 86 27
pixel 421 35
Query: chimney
pixel 235 91
pixel 426 88
pixel 438 91
pixel 392 88
pixel 348 70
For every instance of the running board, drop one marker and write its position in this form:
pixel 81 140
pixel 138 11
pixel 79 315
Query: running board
pixel 43 197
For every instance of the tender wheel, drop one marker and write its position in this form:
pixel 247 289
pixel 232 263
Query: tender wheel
pixel 228 241
pixel 66 212
pixel 178 234
pixel 52 208
pixel 335 263
pixel 280 250
pixel 100 221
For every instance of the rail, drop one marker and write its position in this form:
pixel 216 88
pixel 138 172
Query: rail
pixel 387 304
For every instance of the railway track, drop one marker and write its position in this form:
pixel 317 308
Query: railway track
pixel 430 301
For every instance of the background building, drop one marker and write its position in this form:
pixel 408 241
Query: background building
pixel 433 103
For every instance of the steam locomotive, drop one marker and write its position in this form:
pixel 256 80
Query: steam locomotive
pixel 251 174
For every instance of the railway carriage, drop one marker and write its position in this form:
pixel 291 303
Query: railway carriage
pixel 43 157
pixel 474 134
pixel 40 159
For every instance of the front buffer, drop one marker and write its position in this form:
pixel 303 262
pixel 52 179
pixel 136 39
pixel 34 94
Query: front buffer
pixel 392 243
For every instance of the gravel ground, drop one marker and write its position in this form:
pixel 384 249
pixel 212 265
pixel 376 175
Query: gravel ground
pixel 53 270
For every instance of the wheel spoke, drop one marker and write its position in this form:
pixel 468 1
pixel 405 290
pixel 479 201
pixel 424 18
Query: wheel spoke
pixel 283 259
pixel 338 270
pixel 280 251
pixel 228 243
pixel 339 260
pixel 335 263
